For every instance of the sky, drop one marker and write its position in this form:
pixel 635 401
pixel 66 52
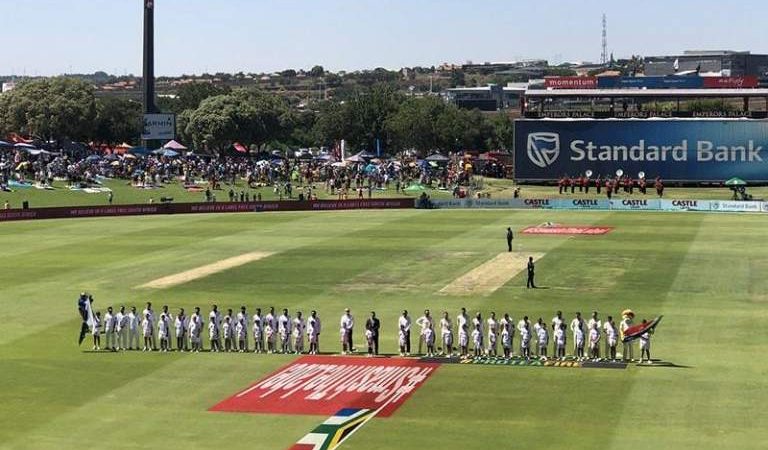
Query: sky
pixel 51 37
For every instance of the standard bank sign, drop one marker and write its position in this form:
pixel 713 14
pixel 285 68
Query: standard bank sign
pixel 673 149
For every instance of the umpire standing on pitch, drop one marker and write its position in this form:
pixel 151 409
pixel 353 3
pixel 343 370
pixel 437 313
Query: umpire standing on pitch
pixel 373 324
pixel 510 237
pixel 530 283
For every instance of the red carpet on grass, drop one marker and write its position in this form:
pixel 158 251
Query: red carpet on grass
pixel 323 385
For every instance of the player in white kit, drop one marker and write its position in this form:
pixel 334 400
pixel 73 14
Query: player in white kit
pixel 226 328
pixel 595 319
pixel 109 329
pixel 594 342
pixel 506 340
pixel 195 331
pixel 446 334
pixel 258 332
pixel 477 338
pixel 560 342
pixel 298 334
pixel 493 330
pixel 284 331
pixel 147 332
pixel 429 340
pixel 148 310
pixel 509 320
pixel 163 328
pixel 96 331
pixel 577 324
pixel 542 336
pixel 556 322
pixel 578 338
pixel 134 328
pixel 121 328
pixel 645 345
pixel 525 341
pixel 424 322
pixel 181 327
pixel 242 325
pixel 313 332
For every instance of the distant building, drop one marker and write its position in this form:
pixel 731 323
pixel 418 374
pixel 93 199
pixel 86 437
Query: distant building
pixel 489 68
pixel 8 86
pixel 487 98
pixel 715 62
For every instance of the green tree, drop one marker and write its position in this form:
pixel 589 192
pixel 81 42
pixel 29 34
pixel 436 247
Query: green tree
pixel 117 120
pixel 317 72
pixel 50 108
pixel 414 125
pixel 503 136
pixel 366 113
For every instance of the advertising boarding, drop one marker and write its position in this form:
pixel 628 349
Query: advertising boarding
pixel 674 149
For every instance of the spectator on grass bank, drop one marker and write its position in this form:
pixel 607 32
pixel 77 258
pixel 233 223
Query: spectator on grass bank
pixel 6 205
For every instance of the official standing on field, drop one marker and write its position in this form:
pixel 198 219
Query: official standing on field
pixel 510 237
pixel 373 324
pixel 531 268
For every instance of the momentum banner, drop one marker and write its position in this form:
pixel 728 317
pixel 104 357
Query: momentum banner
pixel 674 149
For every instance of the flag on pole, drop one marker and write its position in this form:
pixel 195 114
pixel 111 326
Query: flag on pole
pixel 676 65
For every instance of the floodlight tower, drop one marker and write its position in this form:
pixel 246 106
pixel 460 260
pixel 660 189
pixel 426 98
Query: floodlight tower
pixel 149 57
pixel 604 55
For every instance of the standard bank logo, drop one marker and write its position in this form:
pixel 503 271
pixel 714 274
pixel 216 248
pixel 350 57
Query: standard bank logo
pixel 543 148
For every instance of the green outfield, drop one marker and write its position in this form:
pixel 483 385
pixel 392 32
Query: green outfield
pixel 705 273
pixel 124 193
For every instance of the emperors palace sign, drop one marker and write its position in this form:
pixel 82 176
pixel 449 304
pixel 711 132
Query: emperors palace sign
pixel 674 149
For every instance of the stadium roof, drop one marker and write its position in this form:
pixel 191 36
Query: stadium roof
pixel 646 93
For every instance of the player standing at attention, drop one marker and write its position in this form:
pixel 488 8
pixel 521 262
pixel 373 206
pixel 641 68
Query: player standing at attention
pixel 298 334
pixel 229 338
pixel 429 339
pixel 121 328
pixel 404 332
pixel 195 331
pixel 595 320
pixel 576 324
pixel 542 336
pixel 313 331
pixel 506 340
pixel 180 324
pixel 241 332
pixel 213 329
pixel 463 340
pixel 626 322
pixel 525 341
pixel 511 322
pixel 346 328
pixel 269 335
pixel 645 345
pixel 270 319
pixel 478 322
pixel 556 322
pixel 96 331
pixel 493 330
pixel 284 330
pixel 510 238
pixel 134 324
pixel 477 338
pixel 163 326
pixel 148 310
pixel 578 337
pixel 462 320
pixel 165 316
pixel 522 324
pixel 147 331
pixel 242 321
pixel 109 329
pixel 560 341
pixel 446 333
pixel 594 342
pixel 423 322
pixel 258 330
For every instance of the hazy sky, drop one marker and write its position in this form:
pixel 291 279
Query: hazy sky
pixel 45 37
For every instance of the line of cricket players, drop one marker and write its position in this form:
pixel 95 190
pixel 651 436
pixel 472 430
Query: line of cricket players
pixel 273 333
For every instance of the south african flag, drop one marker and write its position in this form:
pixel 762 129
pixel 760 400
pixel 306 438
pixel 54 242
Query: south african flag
pixel 333 431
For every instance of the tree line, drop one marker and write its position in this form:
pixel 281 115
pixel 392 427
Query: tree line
pixel 212 117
